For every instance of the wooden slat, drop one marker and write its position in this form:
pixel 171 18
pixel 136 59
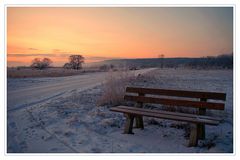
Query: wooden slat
pixel 176 102
pixel 164 116
pixel 170 113
pixel 178 93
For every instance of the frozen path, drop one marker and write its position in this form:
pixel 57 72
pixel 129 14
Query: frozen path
pixel 21 97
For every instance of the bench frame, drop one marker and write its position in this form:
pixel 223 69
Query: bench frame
pixel 197 127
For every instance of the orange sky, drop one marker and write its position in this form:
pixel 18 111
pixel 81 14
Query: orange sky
pixel 106 33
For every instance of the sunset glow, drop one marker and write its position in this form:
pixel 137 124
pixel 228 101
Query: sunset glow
pixel 107 33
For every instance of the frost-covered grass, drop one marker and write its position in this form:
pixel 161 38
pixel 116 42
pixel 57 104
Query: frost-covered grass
pixel 115 86
pixel 76 124
pixel 27 72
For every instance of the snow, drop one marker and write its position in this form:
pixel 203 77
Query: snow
pixel 72 122
pixel 24 92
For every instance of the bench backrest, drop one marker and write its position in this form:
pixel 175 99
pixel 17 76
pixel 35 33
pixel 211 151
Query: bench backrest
pixel 144 96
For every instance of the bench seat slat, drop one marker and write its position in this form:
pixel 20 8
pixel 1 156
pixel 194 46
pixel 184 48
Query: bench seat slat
pixel 164 116
pixel 171 113
pixel 178 93
pixel 176 102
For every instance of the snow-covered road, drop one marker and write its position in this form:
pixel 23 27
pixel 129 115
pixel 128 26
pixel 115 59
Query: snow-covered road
pixel 21 96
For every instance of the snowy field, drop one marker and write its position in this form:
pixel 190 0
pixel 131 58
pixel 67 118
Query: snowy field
pixel 72 122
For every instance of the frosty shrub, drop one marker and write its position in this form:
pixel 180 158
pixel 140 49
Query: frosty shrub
pixel 115 86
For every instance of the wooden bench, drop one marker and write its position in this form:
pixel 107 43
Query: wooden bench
pixel 198 100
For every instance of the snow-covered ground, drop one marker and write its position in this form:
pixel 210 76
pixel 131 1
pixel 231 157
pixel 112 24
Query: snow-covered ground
pixel 25 92
pixel 72 121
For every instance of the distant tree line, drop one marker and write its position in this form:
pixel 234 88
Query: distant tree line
pixel 224 61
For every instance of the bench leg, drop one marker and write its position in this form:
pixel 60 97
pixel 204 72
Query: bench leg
pixel 201 128
pixel 193 140
pixel 201 131
pixel 139 122
pixel 139 119
pixel 129 124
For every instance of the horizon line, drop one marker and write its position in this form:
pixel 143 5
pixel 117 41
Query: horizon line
pixel 112 58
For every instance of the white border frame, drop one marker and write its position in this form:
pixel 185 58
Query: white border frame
pixel 121 5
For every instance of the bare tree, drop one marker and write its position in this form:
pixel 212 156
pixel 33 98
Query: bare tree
pixel 67 66
pixel 75 62
pixel 161 56
pixel 41 64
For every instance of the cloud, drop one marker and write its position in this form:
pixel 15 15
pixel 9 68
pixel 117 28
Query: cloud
pixel 98 58
pixel 37 55
pixel 30 55
pixel 32 49
pixel 61 54
pixel 59 51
